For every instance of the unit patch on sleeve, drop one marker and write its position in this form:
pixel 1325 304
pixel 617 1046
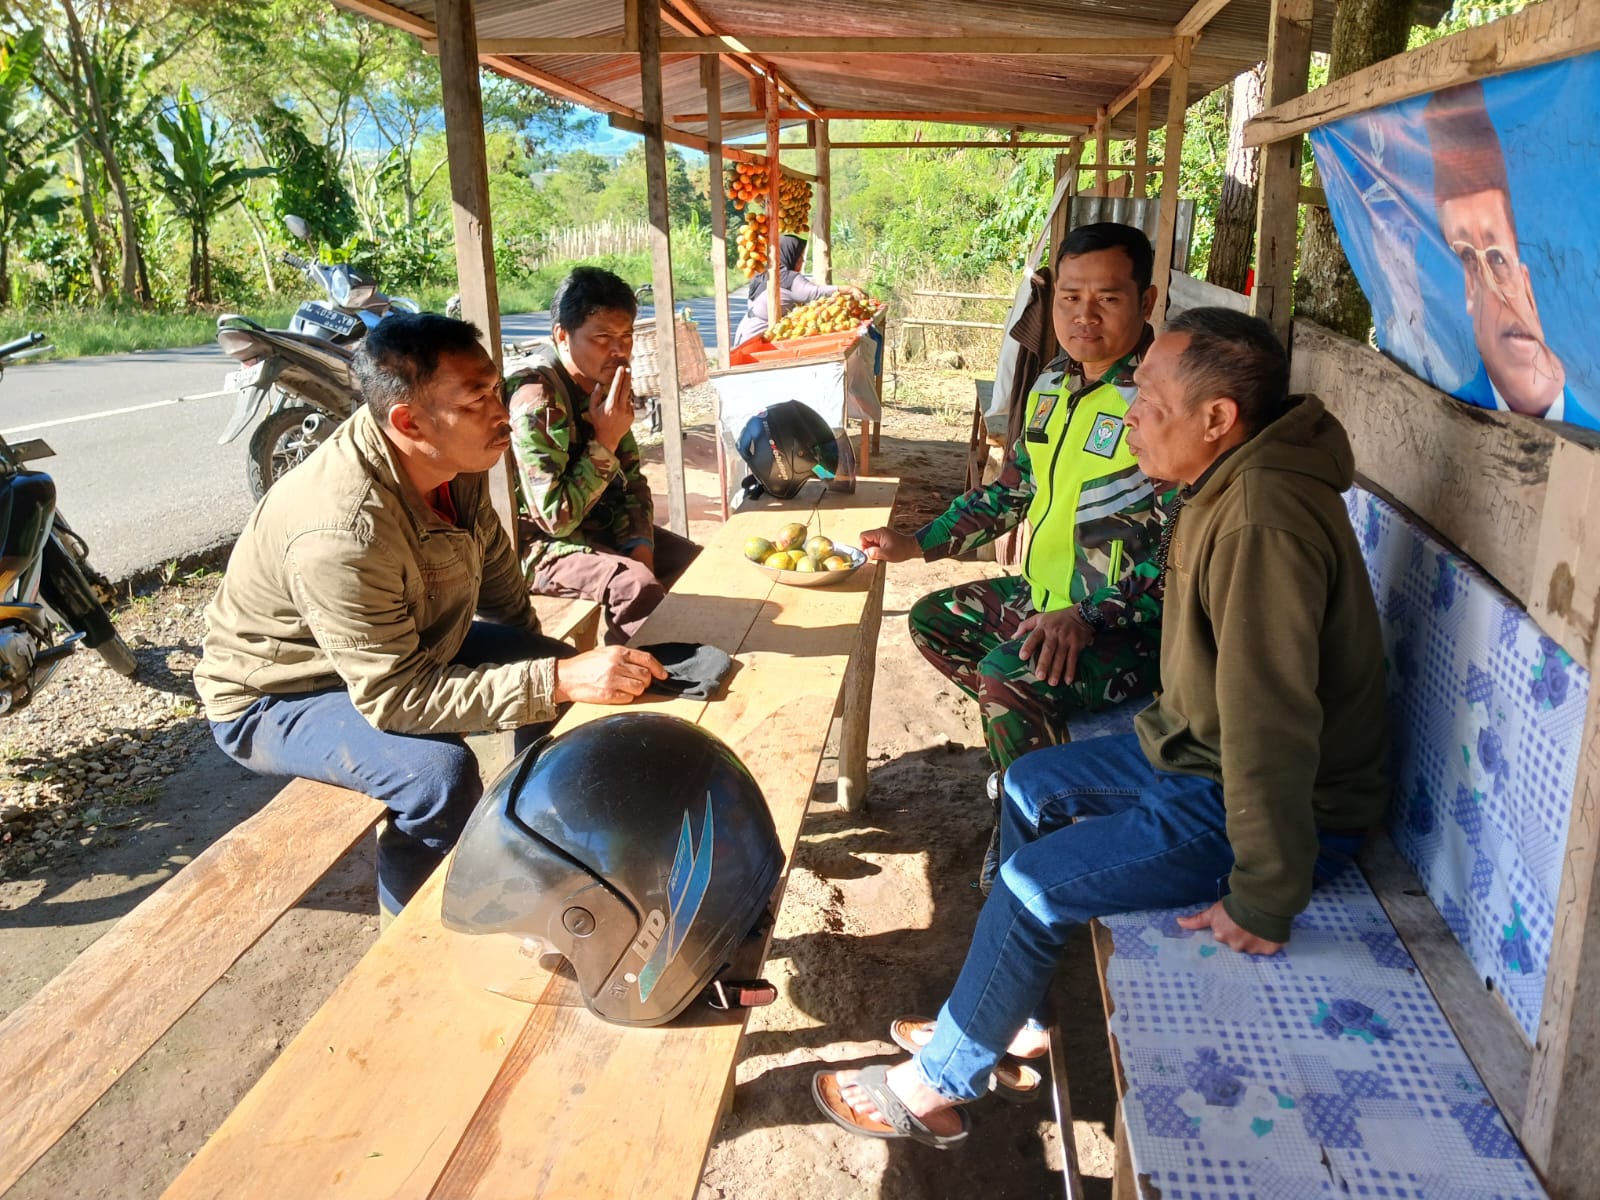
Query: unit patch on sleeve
pixel 1105 435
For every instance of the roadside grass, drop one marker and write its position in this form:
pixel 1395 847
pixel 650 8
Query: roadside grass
pixel 77 333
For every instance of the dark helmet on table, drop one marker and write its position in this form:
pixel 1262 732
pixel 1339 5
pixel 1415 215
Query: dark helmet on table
pixel 787 444
pixel 636 846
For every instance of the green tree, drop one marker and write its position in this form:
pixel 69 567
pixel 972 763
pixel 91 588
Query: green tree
pixel 31 192
pixel 308 183
pixel 1364 32
pixel 199 180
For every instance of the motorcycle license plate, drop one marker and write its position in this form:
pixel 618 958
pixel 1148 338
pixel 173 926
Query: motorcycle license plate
pixel 328 318
pixel 244 377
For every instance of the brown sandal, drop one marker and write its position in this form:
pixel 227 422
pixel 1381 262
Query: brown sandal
pixel 898 1120
pixel 1013 1078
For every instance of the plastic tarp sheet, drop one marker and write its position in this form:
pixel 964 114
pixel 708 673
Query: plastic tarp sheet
pixel 1468 218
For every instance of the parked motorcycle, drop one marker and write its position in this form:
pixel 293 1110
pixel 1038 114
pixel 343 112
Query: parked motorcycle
pixel 46 582
pixel 301 374
pixel 303 380
pixel 354 302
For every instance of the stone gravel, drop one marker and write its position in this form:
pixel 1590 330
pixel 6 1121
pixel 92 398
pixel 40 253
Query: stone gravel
pixel 85 758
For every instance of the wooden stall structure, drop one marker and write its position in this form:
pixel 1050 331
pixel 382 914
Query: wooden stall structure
pixel 699 73
pixel 1071 76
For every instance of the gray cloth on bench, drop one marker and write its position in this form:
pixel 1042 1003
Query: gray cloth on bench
pixel 694 670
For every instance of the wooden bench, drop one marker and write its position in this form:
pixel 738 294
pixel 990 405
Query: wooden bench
pixel 412 1081
pixel 1332 1068
pixel 68 1044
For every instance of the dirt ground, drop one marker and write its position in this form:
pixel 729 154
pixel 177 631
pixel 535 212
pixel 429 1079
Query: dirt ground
pixel 875 921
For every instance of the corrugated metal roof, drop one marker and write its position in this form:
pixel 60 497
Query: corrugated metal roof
pixel 1233 41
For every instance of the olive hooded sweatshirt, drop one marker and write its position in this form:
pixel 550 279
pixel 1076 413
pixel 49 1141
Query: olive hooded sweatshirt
pixel 1271 661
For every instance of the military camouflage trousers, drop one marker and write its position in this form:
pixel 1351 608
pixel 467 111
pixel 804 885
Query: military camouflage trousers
pixel 969 633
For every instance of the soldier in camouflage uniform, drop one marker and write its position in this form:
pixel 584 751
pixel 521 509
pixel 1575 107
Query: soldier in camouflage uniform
pixel 1079 628
pixel 592 518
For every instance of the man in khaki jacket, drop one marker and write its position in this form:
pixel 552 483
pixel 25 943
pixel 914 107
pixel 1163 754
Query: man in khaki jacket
pixel 342 647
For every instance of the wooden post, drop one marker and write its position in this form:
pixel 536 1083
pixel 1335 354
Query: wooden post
pixel 711 79
pixel 856 701
pixel 1171 158
pixel 1102 153
pixel 648 15
pixel 1561 1084
pixel 1278 200
pixel 469 196
pixel 1141 145
pixel 1065 164
pixel 774 232
pixel 822 228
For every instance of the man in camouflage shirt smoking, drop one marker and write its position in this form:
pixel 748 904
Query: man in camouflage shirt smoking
pixel 1079 628
pixel 594 531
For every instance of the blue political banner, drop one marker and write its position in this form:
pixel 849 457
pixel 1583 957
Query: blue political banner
pixel 1471 219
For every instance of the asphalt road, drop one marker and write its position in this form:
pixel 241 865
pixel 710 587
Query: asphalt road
pixel 138 470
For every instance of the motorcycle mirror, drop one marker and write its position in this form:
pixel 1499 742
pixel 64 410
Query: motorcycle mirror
pixel 297 227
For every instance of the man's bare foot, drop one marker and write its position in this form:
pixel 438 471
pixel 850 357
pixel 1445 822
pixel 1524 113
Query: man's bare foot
pixel 935 1111
pixel 1029 1043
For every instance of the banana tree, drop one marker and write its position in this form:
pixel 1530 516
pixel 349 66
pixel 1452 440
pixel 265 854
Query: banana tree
pixel 199 180
pixel 31 189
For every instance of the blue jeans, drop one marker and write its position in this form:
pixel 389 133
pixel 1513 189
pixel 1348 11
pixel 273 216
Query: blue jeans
pixel 430 782
pixel 1158 840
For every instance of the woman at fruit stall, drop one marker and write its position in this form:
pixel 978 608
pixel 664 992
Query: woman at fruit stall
pixel 797 289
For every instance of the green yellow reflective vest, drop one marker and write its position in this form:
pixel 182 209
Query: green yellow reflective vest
pixel 1084 478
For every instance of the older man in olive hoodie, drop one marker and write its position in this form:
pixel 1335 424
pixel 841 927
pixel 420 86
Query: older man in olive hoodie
pixel 1265 746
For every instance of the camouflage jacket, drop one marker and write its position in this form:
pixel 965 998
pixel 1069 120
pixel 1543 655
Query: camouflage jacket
pixel 577 494
pixel 1115 568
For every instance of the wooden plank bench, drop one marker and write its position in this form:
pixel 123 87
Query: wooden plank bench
pixel 1332 1068
pixel 68 1044
pixel 412 1081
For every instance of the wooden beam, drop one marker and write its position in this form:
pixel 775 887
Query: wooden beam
pixel 699 23
pixel 1562 1091
pixel 1197 18
pixel 1065 168
pixel 1314 197
pixel 1141 145
pixel 822 229
pixel 954 145
pixel 1482 1023
pixel 1102 149
pixel 829 47
pixel 774 227
pixel 632 124
pixel 1278 192
pixel 646 17
pixel 388 14
pixel 1490 483
pixel 711 80
pixel 1158 67
pixel 513 68
pixel 1540 33
pixel 964 116
pixel 1167 224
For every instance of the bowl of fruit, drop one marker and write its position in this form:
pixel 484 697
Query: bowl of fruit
pixel 795 559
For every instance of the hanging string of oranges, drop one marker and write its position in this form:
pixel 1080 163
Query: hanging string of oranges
pixel 753 243
pixel 747 187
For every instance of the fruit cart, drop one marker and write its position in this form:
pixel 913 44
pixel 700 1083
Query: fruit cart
pixel 838 375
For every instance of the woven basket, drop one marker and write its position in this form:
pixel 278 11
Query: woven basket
pixel 693 368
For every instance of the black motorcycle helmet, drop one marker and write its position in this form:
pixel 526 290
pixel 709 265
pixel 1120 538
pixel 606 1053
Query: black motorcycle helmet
pixel 637 846
pixel 788 444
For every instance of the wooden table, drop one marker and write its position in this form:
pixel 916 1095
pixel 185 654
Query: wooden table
pixel 412 1081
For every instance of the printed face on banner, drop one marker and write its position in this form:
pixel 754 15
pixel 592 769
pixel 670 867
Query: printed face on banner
pixel 1470 221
